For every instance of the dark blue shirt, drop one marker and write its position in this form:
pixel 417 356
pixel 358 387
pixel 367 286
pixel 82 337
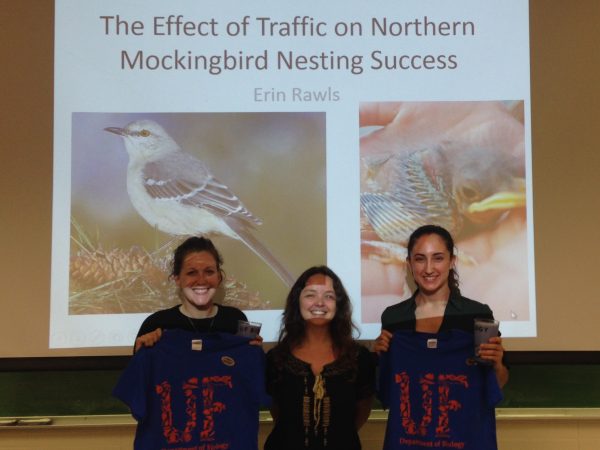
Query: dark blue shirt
pixel 195 397
pixel 437 396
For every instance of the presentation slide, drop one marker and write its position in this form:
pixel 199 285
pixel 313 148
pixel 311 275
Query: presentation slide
pixel 293 135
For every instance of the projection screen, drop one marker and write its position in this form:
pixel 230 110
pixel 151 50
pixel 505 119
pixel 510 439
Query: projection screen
pixel 340 125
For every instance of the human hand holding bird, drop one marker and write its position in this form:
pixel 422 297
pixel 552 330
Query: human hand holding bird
pixel 175 192
pixel 456 164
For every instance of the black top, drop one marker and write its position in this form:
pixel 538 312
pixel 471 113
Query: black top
pixel 304 422
pixel 224 321
pixel 459 314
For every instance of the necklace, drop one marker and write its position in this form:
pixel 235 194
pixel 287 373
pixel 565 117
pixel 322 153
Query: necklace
pixel 210 325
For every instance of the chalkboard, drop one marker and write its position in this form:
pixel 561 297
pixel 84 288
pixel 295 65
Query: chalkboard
pixel 572 382
pixel 59 393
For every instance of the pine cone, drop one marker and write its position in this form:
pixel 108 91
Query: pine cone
pixel 117 267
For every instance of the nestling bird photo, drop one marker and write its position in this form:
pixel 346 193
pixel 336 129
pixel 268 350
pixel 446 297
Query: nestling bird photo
pixel 176 192
pixel 460 165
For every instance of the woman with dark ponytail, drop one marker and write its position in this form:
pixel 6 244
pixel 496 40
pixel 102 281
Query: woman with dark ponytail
pixel 437 304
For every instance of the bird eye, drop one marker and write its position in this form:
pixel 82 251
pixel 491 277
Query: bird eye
pixel 144 133
pixel 469 193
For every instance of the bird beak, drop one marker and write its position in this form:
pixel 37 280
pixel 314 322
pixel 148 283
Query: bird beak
pixel 116 130
pixel 501 201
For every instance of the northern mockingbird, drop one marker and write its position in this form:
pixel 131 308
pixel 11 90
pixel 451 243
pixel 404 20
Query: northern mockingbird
pixel 176 192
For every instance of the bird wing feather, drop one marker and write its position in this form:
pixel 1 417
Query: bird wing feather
pixel 389 217
pixel 418 195
pixel 187 180
pixel 414 186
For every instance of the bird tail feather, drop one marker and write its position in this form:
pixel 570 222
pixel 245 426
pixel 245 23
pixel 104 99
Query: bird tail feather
pixel 263 252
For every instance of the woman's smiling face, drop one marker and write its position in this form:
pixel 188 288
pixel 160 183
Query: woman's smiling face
pixel 318 300
pixel 198 279
pixel 430 263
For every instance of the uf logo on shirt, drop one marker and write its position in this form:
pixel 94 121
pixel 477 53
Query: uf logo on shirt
pixel 445 404
pixel 209 408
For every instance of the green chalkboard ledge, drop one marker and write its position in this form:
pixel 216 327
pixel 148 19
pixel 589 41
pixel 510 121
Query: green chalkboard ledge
pixel 125 420
pixel 105 420
pixel 520 414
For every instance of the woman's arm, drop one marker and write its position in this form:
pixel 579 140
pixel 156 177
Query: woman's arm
pixel 365 385
pixel 502 374
pixel 274 411
pixel 363 410
pixel 494 351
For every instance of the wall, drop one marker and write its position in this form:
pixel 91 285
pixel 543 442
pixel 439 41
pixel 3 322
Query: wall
pixel 565 64
pixel 531 429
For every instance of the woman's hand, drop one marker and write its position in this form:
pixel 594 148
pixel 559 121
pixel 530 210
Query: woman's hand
pixel 258 340
pixel 494 351
pixel 382 343
pixel 148 339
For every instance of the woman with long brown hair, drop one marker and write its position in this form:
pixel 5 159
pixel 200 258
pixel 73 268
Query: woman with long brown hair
pixel 321 380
